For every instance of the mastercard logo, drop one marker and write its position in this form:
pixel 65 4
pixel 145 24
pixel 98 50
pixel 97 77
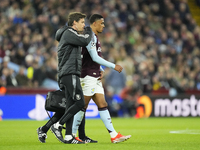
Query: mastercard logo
pixel 146 101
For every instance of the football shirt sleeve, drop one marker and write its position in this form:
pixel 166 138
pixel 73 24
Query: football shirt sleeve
pixel 91 47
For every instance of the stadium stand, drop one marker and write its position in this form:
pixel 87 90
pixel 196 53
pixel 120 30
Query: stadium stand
pixel 157 42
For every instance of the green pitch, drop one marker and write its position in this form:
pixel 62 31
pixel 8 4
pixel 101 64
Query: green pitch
pixel 147 134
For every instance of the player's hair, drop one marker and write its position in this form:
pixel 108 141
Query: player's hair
pixel 94 18
pixel 75 16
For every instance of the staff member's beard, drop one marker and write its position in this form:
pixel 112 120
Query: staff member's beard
pixel 80 32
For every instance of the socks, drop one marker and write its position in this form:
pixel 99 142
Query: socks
pixel 77 121
pixel 113 134
pixel 81 129
pixel 105 117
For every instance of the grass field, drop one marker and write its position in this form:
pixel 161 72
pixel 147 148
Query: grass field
pixel 147 134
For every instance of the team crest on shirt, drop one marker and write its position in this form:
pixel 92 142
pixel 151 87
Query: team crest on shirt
pixel 93 44
pixel 78 97
pixel 92 90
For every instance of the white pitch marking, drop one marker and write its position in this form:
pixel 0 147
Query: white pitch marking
pixel 185 132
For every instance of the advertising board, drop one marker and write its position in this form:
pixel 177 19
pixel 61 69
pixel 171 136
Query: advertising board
pixel 32 107
pixel 165 106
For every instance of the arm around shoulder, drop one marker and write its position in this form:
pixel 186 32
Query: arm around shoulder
pixel 74 38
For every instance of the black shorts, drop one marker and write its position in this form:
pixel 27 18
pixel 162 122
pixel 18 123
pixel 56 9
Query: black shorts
pixel 72 87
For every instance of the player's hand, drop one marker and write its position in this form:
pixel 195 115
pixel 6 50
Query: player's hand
pixel 118 68
pixel 101 73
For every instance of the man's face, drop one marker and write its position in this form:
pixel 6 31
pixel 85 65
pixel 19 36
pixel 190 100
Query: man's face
pixel 100 25
pixel 80 25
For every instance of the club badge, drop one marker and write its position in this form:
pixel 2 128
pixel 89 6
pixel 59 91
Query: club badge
pixel 78 97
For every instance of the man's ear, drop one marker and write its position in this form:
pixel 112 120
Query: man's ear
pixel 94 24
pixel 74 22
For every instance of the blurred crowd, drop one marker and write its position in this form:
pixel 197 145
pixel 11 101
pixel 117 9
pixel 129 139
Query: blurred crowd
pixel 156 41
pixel 198 2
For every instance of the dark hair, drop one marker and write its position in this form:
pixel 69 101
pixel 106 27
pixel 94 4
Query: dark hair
pixel 94 18
pixel 75 16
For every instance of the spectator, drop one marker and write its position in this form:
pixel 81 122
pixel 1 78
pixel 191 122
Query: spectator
pixel 130 95
pixel 7 77
pixel 22 79
pixel 198 2
pixel 38 75
pixel 113 105
pixel 116 80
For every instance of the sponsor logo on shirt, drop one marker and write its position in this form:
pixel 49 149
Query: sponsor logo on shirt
pixel 99 49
